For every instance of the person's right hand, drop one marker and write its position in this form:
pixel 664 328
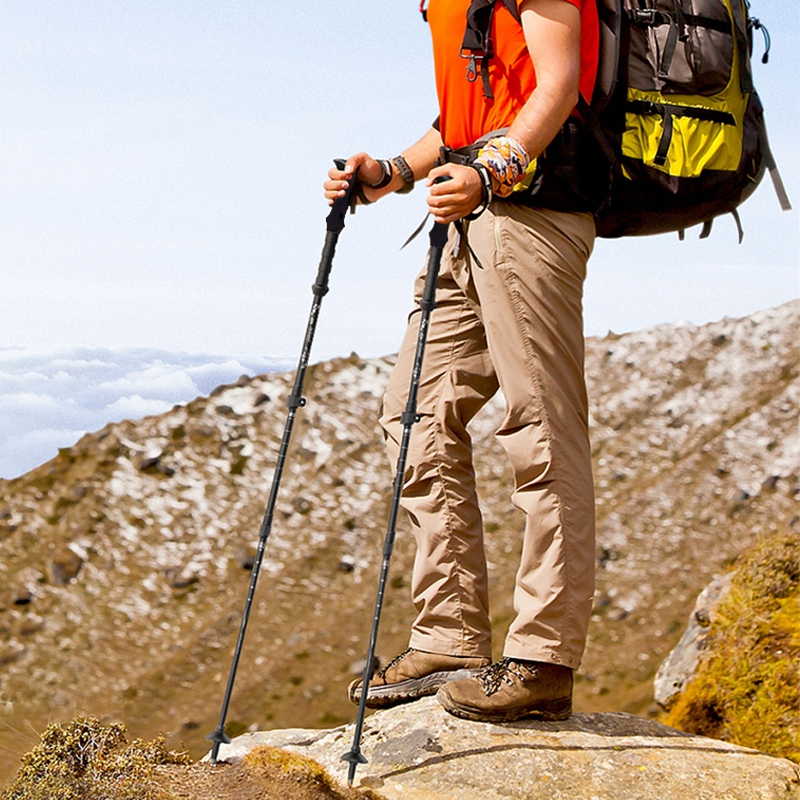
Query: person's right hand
pixel 366 168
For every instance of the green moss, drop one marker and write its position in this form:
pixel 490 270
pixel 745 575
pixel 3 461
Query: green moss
pixel 83 759
pixel 747 691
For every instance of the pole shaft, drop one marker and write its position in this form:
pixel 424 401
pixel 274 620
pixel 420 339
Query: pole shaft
pixel 295 401
pixel 409 417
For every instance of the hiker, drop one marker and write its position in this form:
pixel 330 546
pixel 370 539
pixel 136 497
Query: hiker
pixel 508 316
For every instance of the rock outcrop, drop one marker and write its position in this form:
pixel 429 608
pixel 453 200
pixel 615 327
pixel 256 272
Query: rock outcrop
pixel 681 664
pixel 419 752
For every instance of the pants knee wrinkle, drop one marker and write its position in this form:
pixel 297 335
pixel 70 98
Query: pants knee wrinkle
pixel 439 464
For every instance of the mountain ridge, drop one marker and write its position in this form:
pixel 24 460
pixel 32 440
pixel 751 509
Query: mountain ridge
pixel 125 556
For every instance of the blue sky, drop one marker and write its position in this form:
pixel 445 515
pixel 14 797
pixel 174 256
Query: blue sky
pixel 161 167
pixel 161 162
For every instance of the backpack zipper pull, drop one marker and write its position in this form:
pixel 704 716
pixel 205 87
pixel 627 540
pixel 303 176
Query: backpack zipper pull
pixel 756 24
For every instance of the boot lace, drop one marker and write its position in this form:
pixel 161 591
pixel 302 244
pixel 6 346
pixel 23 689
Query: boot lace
pixel 492 678
pixel 396 660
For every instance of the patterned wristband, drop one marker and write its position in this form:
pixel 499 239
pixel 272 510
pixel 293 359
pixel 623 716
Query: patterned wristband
pixel 506 160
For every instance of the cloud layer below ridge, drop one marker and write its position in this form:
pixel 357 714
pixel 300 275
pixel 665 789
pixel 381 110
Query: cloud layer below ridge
pixel 49 399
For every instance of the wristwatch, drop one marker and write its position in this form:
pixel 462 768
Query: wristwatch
pixel 406 173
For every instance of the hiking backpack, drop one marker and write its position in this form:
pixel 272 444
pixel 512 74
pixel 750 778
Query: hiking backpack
pixel 676 132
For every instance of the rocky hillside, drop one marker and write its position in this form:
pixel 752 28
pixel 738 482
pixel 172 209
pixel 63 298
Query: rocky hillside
pixel 124 561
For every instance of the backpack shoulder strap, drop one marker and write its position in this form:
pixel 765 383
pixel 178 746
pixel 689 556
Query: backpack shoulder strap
pixel 511 5
pixel 477 43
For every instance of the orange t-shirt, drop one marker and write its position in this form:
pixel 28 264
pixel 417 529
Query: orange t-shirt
pixel 465 114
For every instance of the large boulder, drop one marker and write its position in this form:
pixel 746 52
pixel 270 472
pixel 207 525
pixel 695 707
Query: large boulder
pixel 419 752
pixel 680 666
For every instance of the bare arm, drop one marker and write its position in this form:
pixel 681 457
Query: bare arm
pixel 552 31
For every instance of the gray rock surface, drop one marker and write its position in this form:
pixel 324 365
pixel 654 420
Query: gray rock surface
pixel 679 667
pixel 419 752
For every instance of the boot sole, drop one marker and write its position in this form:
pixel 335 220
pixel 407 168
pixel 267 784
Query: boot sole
pixel 406 691
pixel 551 711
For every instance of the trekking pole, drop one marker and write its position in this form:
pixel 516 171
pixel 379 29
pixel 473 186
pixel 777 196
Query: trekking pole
pixel 438 239
pixel 335 223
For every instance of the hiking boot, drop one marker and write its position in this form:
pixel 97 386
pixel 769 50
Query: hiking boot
pixel 511 689
pixel 414 674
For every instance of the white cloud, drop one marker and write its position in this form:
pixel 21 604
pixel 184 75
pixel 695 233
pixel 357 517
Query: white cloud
pixel 49 399
pixel 135 406
pixel 29 400
pixel 160 380
pixel 19 449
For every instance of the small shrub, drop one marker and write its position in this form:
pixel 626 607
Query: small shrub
pixel 235 728
pixel 83 759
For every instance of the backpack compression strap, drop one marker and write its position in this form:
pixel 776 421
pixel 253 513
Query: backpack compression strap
pixel 477 43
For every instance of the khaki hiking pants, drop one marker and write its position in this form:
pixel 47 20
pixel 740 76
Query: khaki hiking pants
pixel 514 322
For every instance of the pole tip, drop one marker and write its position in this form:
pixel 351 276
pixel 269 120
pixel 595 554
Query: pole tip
pixel 354 758
pixel 218 737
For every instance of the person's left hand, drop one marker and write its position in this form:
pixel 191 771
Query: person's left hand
pixel 453 199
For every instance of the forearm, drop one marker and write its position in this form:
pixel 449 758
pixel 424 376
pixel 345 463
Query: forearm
pixel 542 116
pixel 553 34
pixel 421 157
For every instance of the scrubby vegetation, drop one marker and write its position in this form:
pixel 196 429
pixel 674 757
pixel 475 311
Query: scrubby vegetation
pixel 747 691
pixel 84 759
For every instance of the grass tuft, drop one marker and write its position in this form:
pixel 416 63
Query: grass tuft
pixel 747 690
pixel 268 760
pixel 300 772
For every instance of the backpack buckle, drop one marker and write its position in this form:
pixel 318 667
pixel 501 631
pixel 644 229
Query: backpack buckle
pixel 472 67
pixel 644 16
